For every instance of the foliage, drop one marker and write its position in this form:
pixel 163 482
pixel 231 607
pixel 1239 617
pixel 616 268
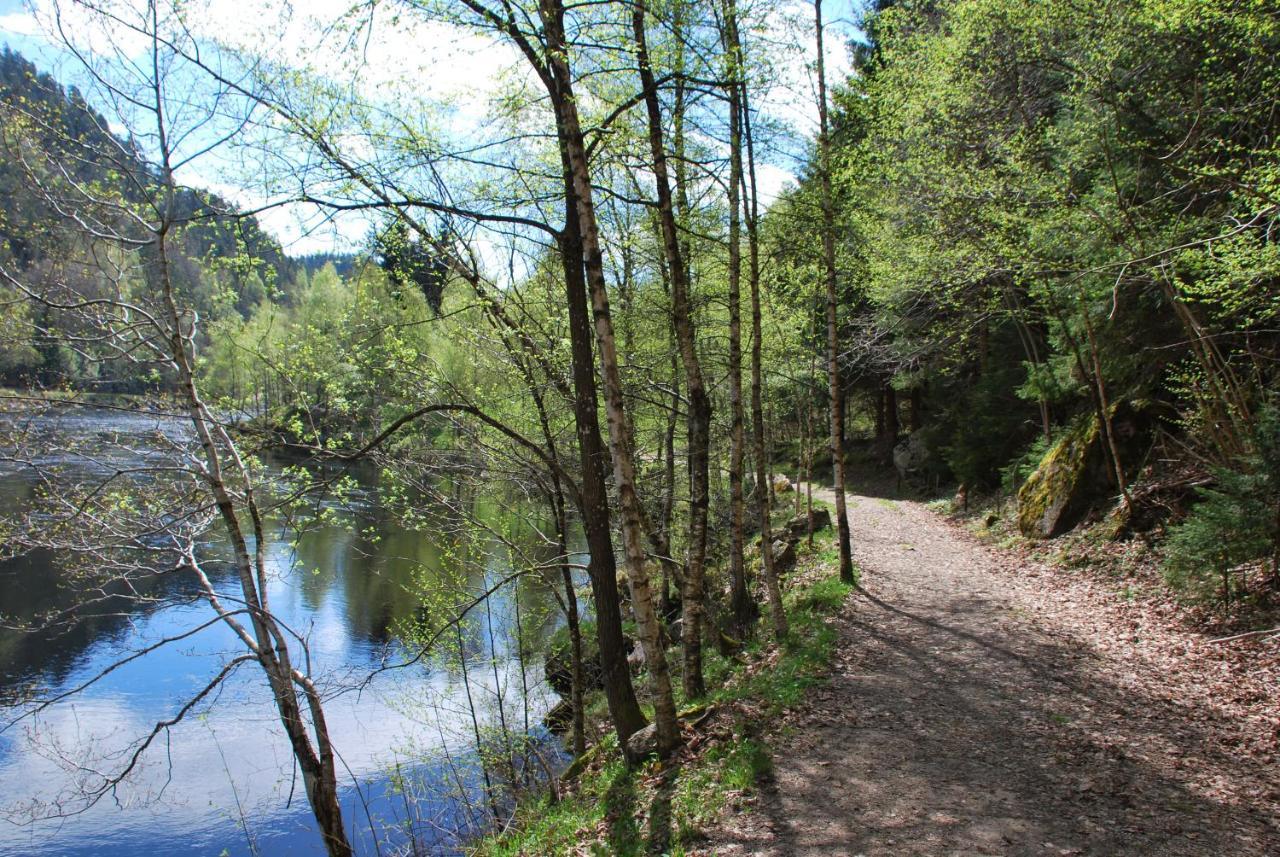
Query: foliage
pixel 1235 525
pixel 1052 210
pixel 607 803
pixel 223 264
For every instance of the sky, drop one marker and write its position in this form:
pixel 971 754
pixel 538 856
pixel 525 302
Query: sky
pixel 460 68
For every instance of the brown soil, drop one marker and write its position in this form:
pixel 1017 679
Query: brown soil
pixel 983 704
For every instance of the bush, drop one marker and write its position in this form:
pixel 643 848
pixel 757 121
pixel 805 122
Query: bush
pixel 1235 524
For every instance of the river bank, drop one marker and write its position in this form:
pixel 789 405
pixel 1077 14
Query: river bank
pixel 603 806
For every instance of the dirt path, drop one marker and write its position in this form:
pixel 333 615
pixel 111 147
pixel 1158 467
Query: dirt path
pixel 972 711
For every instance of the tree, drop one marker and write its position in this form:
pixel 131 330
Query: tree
pixel 699 402
pixel 141 315
pixel 740 103
pixel 834 386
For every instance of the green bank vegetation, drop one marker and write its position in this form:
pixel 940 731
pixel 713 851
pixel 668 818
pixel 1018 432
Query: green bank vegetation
pixel 1029 249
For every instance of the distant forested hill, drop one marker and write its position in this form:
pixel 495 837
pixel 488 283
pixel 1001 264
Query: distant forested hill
pixel 225 263
pixel 344 264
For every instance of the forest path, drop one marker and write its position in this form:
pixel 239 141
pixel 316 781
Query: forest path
pixel 978 707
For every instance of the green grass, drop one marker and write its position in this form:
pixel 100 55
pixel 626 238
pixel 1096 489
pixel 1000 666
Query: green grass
pixel 657 809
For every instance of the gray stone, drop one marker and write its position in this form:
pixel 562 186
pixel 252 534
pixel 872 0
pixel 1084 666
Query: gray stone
pixel 643 742
pixel 784 556
pixel 798 527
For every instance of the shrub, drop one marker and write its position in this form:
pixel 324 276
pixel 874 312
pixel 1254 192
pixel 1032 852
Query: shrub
pixel 1236 523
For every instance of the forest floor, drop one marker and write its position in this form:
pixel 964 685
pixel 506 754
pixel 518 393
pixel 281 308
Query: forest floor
pixel 983 703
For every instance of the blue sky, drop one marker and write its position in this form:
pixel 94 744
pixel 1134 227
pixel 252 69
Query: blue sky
pixel 464 73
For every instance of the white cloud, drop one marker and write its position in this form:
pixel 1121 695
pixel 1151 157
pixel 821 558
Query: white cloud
pixel 19 24
pixel 792 96
pixel 771 181
pixel 381 56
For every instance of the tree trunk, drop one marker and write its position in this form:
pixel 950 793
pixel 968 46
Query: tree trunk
pixel 575 629
pixel 699 402
pixel 892 424
pixel 569 131
pixel 556 496
pixel 833 332
pixel 268 643
pixel 740 600
pixel 880 425
pixel 624 709
pixel 764 491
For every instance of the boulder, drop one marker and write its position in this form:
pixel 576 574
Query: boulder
pixel 558 663
pixel 782 485
pixel 798 527
pixel 560 718
pixel 643 742
pixel 910 456
pixel 558 667
pixel 1070 477
pixel 784 556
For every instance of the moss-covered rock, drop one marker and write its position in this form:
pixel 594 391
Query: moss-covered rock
pixel 1070 476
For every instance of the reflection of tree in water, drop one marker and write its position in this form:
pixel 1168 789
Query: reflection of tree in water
pixel 486 608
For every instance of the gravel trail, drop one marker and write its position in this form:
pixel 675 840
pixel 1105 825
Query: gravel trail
pixel 984 706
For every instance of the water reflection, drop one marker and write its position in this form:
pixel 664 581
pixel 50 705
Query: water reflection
pixel 222 780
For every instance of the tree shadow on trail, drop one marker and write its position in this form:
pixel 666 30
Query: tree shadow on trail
pixel 620 804
pixel 661 832
pixel 1030 663
pixel 953 744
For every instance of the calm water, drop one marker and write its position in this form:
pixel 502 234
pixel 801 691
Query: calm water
pixel 222 781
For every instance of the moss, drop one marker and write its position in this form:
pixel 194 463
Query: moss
pixel 1051 499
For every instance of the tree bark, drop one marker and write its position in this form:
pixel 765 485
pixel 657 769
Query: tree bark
pixel 569 131
pixel 624 708
pixel 315 758
pixel 833 331
pixel 699 402
pixel 892 422
pixel 764 490
pixel 739 601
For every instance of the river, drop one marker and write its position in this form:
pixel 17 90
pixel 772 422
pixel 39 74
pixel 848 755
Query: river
pixel 222 780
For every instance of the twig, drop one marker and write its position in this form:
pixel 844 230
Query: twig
pixel 1243 636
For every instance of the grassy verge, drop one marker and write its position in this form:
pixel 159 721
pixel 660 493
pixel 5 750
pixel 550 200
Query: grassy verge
pixel 662 808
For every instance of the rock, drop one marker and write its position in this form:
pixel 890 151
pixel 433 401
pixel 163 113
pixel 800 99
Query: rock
pixel 558 663
pixel 784 556
pixel 798 527
pixel 782 485
pixel 558 668
pixel 560 718
pixel 910 455
pixel 1069 478
pixel 643 742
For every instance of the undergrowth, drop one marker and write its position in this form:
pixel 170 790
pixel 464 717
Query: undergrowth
pixel 663 808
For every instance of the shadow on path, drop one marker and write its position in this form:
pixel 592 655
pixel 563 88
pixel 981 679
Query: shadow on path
pixel 954 723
